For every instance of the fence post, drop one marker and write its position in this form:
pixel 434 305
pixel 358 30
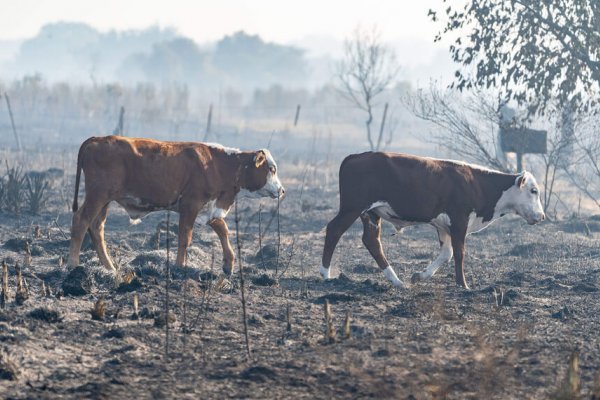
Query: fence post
pixel 12 122
pixel 208 122
pixel 119 129
pixel 297 115
pixel 385 109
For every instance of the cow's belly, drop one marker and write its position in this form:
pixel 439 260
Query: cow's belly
pixel 441 222
pixel 385 211
pixel 138 207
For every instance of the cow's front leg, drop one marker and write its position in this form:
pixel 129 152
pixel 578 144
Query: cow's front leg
pixel 186 226
pixel 371 240
pixel 458 235
pixel 443 258
pixel 220 228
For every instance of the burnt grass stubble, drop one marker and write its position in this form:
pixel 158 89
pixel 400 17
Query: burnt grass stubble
pixel 534 300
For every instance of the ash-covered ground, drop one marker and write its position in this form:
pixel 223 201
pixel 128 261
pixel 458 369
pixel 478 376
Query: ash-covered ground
pixel 534 302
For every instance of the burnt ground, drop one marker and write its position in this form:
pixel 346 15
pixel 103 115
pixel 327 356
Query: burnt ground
pixel 534 300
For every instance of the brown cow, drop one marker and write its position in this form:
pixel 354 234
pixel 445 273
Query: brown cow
pixel 455 197
pixel 145 175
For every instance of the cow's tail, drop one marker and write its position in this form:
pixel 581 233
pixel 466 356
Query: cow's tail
pixel 78 175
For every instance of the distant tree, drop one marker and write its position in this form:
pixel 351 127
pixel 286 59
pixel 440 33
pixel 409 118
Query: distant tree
pixel 534 51
pixel 175 61
pixel 248 61
pixel 70 51
pixel 367 70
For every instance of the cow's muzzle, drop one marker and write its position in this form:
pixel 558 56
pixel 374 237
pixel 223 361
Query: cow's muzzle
pixel 280 194
pixel 536 218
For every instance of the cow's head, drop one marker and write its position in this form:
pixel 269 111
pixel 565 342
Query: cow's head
pixel 260 176
pixel 523 198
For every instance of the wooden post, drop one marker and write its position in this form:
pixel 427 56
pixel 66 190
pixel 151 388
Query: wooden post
pixel 119 129
pixel 385 109
pixel 297 115
pixel 12 122
pixel 208 122
pixel 520 163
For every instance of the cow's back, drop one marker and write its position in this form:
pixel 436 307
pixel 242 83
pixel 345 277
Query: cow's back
pixel 140 167
pixel 416 187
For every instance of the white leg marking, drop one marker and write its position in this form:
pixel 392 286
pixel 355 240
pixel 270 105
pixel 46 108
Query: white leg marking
pixel 443 258
pixel 391 275
pixel 325 272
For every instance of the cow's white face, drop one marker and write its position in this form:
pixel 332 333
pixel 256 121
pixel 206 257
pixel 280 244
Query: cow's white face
pixel 523 198
pixel 273 187
pixel 264 170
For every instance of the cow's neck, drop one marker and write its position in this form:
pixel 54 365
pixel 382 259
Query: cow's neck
pixel 493 185
pixel 242 159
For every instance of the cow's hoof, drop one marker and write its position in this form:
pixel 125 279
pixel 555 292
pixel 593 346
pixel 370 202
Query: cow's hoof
pixel 416 277
pixel 463 285
pixel 400 285
pixel 325 272
pixel 227 270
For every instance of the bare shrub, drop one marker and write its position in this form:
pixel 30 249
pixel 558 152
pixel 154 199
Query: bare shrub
pixel 36 193
pixel 583 171
pixel 9 370
pixel 468 125
pixel 14 189
pixel 366 71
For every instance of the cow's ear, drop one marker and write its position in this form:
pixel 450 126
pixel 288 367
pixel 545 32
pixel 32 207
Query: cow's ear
pixel 520 182
pixel 259 158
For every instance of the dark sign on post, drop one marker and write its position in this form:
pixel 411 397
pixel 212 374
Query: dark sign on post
pixel 523 140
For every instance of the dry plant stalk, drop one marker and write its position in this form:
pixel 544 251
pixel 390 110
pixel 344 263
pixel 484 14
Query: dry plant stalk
pixel 4 297
pixel 498 297
pixel 136 314
pixel 596 389
pixel 157 236
pixel 570 387
pixel 61 261
pixel 239 251
pixel 37 232
pixel 167 315
pixel 27 256
pixel 46 290
pixel 22 292
pixel 287 317
pixel 347 325
pixel 278 237
pixel 329 331
pixel 99 310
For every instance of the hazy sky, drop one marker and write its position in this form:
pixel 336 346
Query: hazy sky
pixel 316 25
pixel 276 20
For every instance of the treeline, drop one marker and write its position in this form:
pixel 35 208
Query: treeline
pixel 76 52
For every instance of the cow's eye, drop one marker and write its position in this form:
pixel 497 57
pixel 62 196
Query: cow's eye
pixel 534 191
pixel 272 169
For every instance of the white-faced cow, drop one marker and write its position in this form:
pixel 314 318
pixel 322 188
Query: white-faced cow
pixel 455 197
pixel 144 175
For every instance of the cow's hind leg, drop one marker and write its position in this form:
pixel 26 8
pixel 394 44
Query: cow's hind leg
pixel 97 233
pixel 82 220
pixel 458 236
pixel 220 228
pixel 187 217
pixel 335 229
pixel 372 241
pixel 443 258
